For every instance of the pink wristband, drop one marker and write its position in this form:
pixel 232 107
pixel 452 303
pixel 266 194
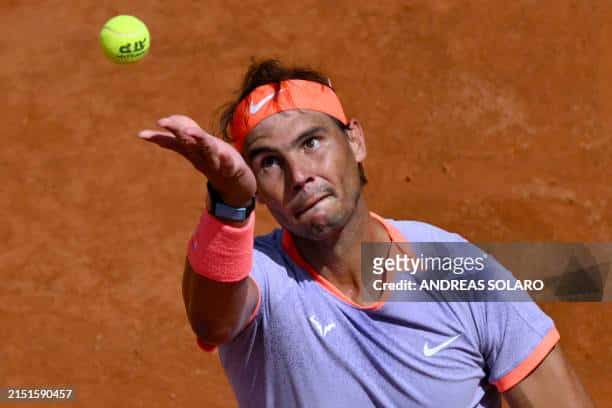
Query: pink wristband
pixel 222 252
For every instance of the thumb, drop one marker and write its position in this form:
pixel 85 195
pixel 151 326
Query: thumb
pixel 227 165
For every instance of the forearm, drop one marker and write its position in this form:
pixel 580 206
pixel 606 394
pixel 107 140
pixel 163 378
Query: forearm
pixel 215 310
pixel 217 292
pixel 554 383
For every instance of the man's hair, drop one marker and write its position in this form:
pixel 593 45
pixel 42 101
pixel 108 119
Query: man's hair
pixel 272 71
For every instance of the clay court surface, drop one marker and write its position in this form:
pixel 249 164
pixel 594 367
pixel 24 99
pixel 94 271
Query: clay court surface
pixel 492 119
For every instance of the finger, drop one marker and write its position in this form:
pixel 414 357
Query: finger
pixel 180 121
pixel 227 165
pixel 147 134
pixel 208 145
pixel 181 136
pixel 168 143
pixel 201 148
pixel 177 125
pixel 198 133
pixel 163 139
pixel 213 145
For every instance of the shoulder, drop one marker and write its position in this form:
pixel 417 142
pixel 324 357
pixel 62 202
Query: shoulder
pixel 269 243
pixel 268 250
pixel 420 231
pixel 271 265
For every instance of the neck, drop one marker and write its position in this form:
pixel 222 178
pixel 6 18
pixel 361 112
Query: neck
pixel 338 258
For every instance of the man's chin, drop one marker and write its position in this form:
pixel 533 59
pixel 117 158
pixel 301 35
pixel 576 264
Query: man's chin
pixel 320 232
pixel 320 225
pixel 317 224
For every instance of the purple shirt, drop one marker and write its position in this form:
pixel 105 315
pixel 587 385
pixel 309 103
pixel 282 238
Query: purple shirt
pixel 309 346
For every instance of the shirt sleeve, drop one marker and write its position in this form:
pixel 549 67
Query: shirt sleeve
pixel 517 338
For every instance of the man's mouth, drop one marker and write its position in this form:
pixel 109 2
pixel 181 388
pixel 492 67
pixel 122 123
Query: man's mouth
pixel 310 204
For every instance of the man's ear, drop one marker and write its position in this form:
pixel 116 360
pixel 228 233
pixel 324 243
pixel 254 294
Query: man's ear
pixel 356 140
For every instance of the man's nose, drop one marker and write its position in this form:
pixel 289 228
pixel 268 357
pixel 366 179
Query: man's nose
pixel 299 173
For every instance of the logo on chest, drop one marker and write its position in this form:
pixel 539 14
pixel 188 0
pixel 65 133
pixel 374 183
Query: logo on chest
pixel 430 351
pixel 319 328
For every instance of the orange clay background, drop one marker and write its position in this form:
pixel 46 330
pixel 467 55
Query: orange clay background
pixel 489 118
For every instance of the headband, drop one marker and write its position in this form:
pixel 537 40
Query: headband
pixel 266 100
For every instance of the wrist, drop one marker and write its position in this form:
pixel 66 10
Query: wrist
pixel 221 252
pixel 232 223
pixel 226 210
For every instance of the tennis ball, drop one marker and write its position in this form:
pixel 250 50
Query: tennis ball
pixel 125 39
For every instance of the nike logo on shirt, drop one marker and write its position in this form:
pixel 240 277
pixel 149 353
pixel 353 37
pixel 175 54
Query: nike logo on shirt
pixel 428 352
pixel 320 329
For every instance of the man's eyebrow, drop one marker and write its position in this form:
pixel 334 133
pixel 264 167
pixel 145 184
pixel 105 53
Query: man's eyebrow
pixel 304 135
pixel 259 150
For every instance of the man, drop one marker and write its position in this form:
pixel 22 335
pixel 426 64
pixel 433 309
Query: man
pixel 294 320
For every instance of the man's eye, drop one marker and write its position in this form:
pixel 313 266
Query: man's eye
pixel 312 143
pixel 268 161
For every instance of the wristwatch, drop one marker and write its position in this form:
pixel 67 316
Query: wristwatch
pixel 224 211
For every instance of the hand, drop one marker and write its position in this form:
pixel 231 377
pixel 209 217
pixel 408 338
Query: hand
pixel 219 161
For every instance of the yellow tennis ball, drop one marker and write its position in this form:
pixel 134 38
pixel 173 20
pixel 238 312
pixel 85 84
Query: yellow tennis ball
pixel 125 39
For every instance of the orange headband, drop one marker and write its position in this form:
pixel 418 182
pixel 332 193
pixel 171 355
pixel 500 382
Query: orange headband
pixel 266 100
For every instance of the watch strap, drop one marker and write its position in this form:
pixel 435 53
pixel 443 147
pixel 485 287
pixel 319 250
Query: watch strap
pixel 224 211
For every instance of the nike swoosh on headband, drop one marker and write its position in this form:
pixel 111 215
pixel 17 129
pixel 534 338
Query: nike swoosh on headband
pixel 255 107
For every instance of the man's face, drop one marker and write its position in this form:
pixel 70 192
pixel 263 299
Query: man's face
pixel 306 170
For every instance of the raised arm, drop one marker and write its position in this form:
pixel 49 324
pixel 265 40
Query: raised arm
pixel 218 294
